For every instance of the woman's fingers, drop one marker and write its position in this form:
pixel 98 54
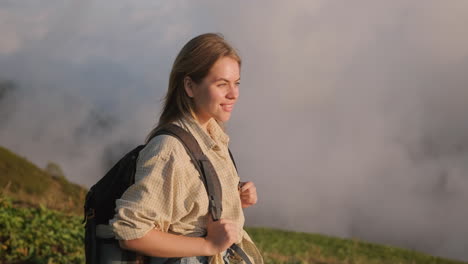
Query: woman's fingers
pixel 248 200
pixel 248 194
pixel 248 189
pixel 247 186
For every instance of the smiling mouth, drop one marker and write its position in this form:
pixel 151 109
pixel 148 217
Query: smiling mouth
pixel 227 107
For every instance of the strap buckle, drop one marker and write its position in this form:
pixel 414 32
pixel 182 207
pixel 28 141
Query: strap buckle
pixel 241 253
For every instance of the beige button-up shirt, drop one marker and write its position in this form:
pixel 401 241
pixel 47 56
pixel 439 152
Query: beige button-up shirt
pixel 169 194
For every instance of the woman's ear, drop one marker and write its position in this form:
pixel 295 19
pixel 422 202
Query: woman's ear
pixel 188 86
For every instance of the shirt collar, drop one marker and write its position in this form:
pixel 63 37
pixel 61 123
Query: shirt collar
pixel 217 132
pixel 211 140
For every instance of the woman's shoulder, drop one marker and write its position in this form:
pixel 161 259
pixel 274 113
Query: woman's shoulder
pixel 163 146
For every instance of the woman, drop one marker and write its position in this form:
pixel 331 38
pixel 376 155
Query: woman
pixel 165 213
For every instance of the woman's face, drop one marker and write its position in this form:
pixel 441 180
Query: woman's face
pixel 217 93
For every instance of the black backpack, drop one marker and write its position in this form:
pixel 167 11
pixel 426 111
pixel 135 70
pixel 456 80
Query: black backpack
pixel 99 205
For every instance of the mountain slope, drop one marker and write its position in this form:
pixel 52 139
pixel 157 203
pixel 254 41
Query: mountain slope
pixel 27 184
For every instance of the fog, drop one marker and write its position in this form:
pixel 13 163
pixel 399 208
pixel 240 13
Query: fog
pixel 351 119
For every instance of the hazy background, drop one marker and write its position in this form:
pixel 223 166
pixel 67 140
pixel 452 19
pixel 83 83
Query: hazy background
pixel 351 121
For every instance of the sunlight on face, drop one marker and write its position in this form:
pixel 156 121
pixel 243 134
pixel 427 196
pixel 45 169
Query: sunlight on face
pixel 217 93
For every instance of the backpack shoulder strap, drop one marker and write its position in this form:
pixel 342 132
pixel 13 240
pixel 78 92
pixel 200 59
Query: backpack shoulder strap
pixel 208 173
pixel 232 158
pixel 203 165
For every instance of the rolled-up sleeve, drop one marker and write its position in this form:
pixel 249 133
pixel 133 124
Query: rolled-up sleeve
pixel 150 202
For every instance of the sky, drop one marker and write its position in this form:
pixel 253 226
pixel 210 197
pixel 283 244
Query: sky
pixel 351 119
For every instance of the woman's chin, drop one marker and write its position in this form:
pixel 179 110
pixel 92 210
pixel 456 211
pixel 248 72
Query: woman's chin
pixel 225 118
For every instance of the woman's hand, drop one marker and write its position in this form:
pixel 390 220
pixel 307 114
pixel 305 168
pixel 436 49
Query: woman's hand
pixel 248 194
pixel 221 235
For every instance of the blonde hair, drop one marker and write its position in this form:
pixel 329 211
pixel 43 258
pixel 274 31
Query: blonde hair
pixel 195 61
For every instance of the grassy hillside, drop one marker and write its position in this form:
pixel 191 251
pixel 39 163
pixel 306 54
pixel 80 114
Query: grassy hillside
pixel 32 186
pixel 280 246
pixel 40 235
pixel 53 233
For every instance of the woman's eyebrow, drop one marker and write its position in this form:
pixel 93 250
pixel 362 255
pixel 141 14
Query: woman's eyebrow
pixel 224 79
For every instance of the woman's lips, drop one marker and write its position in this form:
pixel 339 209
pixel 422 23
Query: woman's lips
pixel 227 107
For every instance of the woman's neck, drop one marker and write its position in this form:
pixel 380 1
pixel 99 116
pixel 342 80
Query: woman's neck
pixel 202 122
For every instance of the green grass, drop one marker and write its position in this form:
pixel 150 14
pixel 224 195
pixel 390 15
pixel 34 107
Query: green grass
pixel 280 246
pixel 39 235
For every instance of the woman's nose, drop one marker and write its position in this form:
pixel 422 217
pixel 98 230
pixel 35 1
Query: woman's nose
pixel 233 92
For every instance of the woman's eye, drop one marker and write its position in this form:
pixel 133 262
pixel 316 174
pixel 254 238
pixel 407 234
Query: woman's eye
pixel 222 84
